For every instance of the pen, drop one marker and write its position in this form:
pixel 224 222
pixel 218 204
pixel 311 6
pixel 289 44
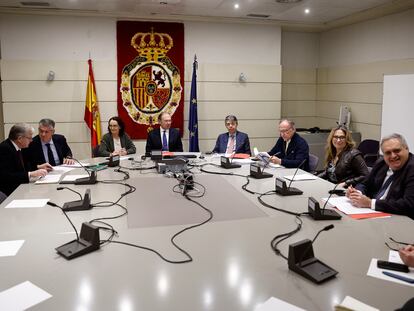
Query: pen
pixel 399 277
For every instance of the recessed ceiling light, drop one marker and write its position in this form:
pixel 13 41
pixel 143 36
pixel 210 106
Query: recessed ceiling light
pixel 236 6
pixel 307 11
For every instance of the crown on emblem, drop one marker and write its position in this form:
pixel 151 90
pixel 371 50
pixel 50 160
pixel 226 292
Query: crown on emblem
pixel 152 45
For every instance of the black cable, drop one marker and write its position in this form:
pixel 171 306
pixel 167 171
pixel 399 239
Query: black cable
pixel 281 237
pixel 61 188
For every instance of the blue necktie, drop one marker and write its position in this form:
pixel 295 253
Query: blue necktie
pixel 164 141
pixel 50 155
pixel 384 187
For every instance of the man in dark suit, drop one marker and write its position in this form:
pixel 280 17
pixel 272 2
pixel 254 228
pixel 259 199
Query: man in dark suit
pixel 390 185
pixel 290 150
pixel 13 169
pixel 165 138
pixel 48 147
pixel 233 141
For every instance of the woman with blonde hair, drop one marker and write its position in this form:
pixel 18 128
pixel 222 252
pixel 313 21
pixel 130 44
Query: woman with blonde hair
pixel 344 163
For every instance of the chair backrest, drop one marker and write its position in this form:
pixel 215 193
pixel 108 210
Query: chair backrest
pixel 2 197
pixel 370 151
pixel 313 162
pixel 95 151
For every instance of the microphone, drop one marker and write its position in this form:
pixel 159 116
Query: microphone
pixel 67 217
pixel 61 188
pixel 91 180
pixel 227 163
pixel 327 228
pixel 302 260
pixel 88 240
pixel 297 169
pixel 79 205
pixel 323 214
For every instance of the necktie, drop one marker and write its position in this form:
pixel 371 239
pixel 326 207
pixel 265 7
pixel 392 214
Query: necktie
pixel 230 145
pixel 20 157
pixel 384 187
pixel 50 155
pixel 164 141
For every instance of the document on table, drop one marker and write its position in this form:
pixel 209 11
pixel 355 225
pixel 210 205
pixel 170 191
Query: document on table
pixel 30 203
pixel 376 272
pixel 49 179
pixel 74 177
pixel 242 161
pixel 62 169
pixel 351 303
pixel 345 206
pixel 276 304
pixel 301 177
pixel 10 248
pixel 22 297
pixel 76 165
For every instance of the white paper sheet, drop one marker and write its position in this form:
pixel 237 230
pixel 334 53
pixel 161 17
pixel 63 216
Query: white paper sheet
pixel 62 169
pixel 354 304
pixel 73 177
pixel 375 272
pixel 345 206
pixel 301 177
pixel 49 179
pixel 273 304
pixel 31 203
pixel 76 165
pixel 242 161
pixel 22 297
pixel 394 257
pixel 10 248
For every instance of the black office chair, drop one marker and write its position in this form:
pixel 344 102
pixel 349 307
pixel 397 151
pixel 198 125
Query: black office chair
pixel 313 163
pixel 370 151
pixel 95 151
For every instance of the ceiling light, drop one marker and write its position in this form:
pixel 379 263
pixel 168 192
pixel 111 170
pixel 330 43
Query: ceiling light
pixel 236 6
pixel 307 11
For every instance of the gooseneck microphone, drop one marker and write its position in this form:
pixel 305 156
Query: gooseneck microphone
pixel 67 217
pixel 297 169
pixel 61 188
pixel 306 251
pixel 323 214
pixel 90 180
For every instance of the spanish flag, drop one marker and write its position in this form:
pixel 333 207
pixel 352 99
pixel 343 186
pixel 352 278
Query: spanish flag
pixel 92 118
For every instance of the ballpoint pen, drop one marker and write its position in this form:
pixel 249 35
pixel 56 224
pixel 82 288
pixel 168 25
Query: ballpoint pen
pixel 399 277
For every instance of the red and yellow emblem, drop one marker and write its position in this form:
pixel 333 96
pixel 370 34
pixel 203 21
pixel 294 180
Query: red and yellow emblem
pixel 150 84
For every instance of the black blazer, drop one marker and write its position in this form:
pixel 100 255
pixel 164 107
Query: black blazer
pixel 154 141
pixel 34 154
pixel 297 152
pixel 400 197
pixel 12 172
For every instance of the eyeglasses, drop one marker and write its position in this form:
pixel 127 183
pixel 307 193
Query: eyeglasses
pixel 339 137
pixel 283 131
pixel 396 245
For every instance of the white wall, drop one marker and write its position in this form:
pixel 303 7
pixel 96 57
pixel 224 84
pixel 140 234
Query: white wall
pixel 32 45
pixel 387 38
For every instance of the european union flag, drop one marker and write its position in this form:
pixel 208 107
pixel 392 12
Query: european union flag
pixel 193 121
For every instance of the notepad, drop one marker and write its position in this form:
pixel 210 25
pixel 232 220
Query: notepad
pixel 299 177
pixel 31 203
pixel 10 248
pixel 277 304
pixel 22 297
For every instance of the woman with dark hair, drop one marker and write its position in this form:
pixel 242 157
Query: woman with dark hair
pixel 343 163
pixel 116 141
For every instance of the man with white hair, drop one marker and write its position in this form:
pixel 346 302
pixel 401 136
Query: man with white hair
pixel 13 169
pixel 390 185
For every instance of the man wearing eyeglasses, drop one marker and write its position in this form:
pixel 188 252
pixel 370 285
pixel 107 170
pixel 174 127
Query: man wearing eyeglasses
pixel 390 185
pixel 291 150
pixel 13 169
pixel 48 147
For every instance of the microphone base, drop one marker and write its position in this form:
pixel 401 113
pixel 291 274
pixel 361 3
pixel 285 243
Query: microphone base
pixel 323 214
pixel 260 175
pixel 85 181
pixel 76 206
pixel 290 191
pixel 302 261
pixel 87 243
pixel 230 165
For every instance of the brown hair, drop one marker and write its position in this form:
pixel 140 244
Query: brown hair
pixel 330 153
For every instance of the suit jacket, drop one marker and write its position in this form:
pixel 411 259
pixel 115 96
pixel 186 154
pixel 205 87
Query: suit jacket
pixel 12 172
pixel 297 152
pixel 107 145
pixel 154 141
pixel 34 154
pixel 242 143
pixel 400 197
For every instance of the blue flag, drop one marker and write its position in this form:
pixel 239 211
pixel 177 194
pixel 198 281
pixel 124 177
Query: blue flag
pixel 193 121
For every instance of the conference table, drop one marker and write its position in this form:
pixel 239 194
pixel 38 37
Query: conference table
pixel 233 267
